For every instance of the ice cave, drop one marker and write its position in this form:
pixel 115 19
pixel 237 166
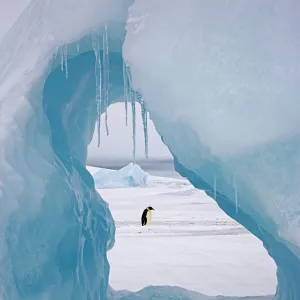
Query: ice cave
pixel 220 81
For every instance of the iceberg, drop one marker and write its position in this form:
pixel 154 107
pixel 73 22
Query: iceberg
pixel 226 101
pixel 220 81
pixel 130 176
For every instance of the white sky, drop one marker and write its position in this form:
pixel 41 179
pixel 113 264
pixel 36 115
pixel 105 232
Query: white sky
pixel 118 145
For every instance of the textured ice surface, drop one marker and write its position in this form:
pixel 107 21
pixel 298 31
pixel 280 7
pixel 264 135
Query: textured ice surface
pixel 55 229
pixel 130 176
pixel 221 81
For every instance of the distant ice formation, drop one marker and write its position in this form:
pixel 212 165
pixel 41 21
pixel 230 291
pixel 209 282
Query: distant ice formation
pixel 130 176
pixel 171 293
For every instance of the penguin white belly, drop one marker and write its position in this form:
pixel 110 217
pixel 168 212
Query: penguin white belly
pixel 149 216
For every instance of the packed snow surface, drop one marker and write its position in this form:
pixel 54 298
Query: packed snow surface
pixel 130 176
pixel 191 243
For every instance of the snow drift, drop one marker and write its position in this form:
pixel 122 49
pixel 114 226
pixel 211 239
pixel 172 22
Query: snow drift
pixel 130 176
pixel 220 81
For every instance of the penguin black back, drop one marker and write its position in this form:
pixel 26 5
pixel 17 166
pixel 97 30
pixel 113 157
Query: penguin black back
pixel 146 215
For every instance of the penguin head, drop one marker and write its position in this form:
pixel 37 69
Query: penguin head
pixel 150 208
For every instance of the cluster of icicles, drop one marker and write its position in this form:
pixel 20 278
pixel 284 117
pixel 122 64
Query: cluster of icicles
pixel 102 86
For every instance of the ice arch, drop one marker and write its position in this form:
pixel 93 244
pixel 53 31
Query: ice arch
pixel 54 227
pixel 226 102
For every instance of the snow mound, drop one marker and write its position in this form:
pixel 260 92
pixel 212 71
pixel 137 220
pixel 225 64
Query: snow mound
pixel 131 175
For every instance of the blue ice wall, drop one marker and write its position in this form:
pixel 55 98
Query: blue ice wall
pixel 226 102
pixel 288 265
pixel 216 180
pixel 57 249
pixel 59 229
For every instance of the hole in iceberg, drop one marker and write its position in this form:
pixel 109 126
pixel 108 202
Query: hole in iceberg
pixel 56 229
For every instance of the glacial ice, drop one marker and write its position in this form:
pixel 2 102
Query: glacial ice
pixel 221 83
pixel 130 176
pixel 55 229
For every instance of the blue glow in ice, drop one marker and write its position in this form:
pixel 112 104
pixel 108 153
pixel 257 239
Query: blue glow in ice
pixel 221 83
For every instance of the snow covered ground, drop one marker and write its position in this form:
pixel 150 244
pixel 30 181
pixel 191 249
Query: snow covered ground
pixel 191 243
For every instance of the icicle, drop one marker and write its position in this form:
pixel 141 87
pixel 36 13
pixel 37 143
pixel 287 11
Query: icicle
pixel 66 59
pixel 78 47
pixel 50 65
pixel 133 99
pixel 61 52
pixel 145 125
pixel 105 74
pixel 235 192
pixel 98 76
pixel 215 187
pixel 125 82
pixel 53 59
pixel 56 52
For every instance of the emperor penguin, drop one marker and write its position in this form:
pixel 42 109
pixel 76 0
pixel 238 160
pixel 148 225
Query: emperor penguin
pixel 146 216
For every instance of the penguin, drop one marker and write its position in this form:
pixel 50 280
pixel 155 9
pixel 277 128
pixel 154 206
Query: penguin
pixel 146 216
